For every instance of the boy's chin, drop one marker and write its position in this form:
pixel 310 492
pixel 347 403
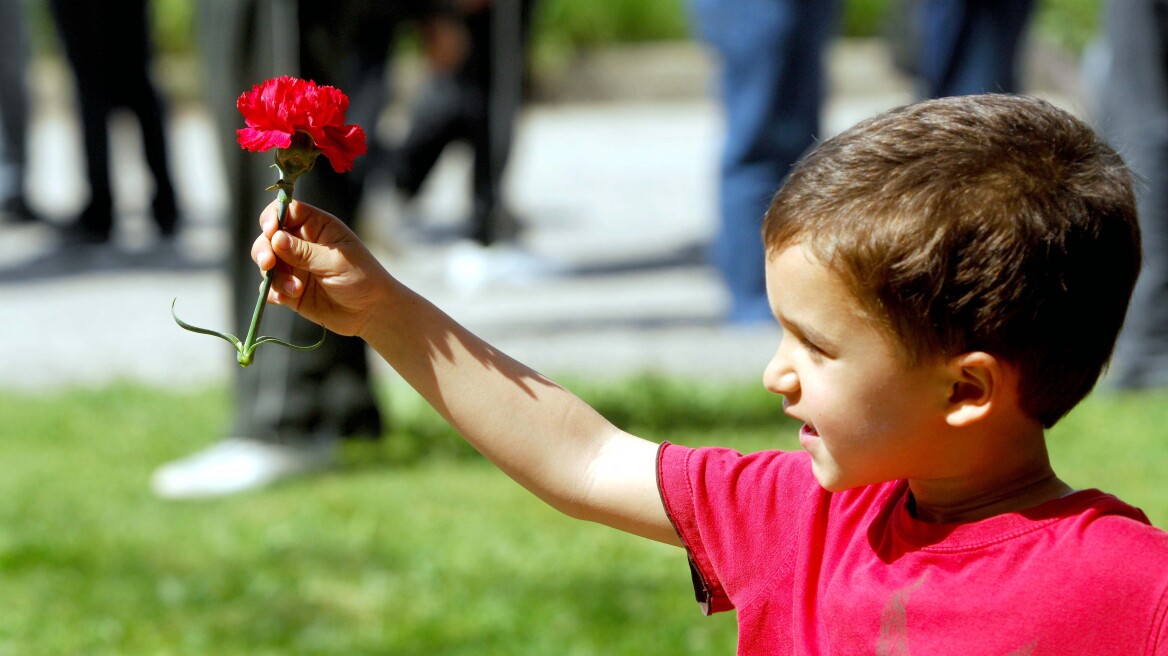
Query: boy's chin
pixel 830 478
pixel 827 477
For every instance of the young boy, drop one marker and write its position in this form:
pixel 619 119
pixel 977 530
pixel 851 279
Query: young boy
pixel 950 278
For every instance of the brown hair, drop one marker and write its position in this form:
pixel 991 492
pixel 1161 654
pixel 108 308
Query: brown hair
pixel 991 223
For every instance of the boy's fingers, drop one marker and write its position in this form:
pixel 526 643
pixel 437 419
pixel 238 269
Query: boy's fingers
pixel 287 283
pixel 295 284
pixel 268 221
pixel 261 253
pixel 298 253
pixel 302 214
pixel 297 215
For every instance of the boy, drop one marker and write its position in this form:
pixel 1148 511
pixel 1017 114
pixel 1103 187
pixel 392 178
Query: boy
pixel 950 277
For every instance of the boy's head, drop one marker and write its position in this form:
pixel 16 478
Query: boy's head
pixel 990 223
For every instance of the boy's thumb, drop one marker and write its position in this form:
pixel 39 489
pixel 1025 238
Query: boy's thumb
pixel 298 253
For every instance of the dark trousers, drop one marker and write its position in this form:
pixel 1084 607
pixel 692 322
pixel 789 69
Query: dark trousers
pixel 14 58
pixel 108 47
pixel 1132 111
pixel 464 106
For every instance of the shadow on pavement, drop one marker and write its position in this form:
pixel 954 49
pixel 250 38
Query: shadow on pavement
pixel 61 262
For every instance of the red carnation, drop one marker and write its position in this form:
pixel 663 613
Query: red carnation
pixel 301 121
pixel 277 109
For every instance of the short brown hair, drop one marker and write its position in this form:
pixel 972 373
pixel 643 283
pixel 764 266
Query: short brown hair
pixel 992 223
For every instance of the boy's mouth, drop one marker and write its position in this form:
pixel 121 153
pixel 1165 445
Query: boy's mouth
pixel 807 435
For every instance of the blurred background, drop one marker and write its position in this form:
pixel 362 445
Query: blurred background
pixel 411 544
pixel 613 173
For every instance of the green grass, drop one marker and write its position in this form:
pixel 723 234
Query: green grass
pixel 414 547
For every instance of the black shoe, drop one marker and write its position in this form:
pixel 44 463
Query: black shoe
pixel 165 214
pixel 16 211
pixel 79 235
pixel 92 227
pixel 493 224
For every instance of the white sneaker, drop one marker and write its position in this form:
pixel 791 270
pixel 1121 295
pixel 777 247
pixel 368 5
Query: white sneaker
pixel 237 465
pixel 471 266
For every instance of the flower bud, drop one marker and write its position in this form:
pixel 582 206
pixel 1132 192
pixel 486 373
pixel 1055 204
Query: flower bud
pixel 298 157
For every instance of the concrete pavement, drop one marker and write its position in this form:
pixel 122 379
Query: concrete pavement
pixel 608 279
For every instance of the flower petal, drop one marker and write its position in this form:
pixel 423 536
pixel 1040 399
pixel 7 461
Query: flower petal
pixel 256 140
pixel 276 109
pixel 341 145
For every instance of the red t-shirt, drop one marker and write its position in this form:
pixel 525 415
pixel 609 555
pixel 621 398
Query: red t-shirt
pixel 815 572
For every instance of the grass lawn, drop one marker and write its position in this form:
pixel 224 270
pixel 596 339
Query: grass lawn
pixel 414 547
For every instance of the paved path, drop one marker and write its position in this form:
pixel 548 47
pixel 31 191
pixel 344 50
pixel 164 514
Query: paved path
pixel 616 197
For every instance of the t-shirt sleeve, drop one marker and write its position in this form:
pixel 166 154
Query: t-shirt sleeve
pixel 737 516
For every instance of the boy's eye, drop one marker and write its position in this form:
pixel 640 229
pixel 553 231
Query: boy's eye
pixel 811 347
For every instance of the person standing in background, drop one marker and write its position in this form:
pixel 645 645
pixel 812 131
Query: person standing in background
pixel 1130 96
pixel 108 47
pixel 457 103
pixel 771 88
pixel 14 112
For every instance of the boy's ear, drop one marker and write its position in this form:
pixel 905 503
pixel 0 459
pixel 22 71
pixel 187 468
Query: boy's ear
pixel 978 381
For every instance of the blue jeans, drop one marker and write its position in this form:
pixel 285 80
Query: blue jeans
pixel 971 46
pixel 771 89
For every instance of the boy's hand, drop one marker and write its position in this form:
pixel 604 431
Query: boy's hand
pixel 323 271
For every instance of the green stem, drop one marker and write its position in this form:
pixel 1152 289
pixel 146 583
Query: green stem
pixel 246 353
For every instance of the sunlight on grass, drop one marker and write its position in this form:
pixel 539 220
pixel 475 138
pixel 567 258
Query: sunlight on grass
pixel 416 546
pixel 1119 444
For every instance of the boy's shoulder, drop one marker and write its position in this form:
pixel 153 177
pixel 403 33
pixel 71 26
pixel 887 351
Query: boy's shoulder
pixel 1108 559
pixel 1103 520
pixel 1107 546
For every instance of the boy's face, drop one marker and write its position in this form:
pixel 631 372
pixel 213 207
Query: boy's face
pixel 869 417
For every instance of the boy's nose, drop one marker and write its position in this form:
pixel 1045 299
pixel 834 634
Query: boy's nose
pixel 779 377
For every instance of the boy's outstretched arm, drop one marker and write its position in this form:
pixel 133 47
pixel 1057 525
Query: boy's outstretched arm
pixel 540 434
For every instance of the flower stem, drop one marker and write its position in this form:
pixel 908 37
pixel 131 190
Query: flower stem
pixel 246 353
